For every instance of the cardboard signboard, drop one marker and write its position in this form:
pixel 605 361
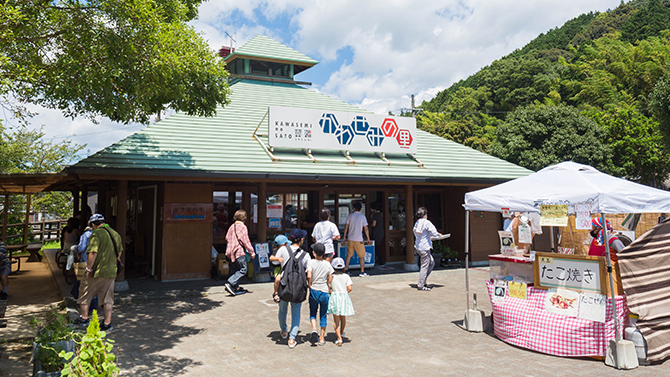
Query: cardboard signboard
pixel 583 273
pixel 592 306
pixel 554 215
pixel 517 290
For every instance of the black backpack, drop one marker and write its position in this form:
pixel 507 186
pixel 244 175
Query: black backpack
pixel 293 283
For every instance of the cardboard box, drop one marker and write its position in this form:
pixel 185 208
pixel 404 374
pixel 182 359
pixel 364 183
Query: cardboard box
pixel 222 266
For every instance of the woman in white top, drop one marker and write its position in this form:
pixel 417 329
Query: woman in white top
pixel 325 232
pixel 423 231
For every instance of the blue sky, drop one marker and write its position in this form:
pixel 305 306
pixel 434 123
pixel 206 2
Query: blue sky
pixel 372 53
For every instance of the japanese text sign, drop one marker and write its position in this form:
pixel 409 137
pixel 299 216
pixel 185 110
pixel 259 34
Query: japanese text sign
pixel 293 127
pixel 517 290
pixel 592 306
pixel 577 272
pixel 583 216
pixel 554 215
pixel 188 211
pixel 262 251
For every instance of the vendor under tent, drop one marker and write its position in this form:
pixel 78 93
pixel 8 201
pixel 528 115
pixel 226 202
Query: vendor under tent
pixel 645 267
pixel 569 183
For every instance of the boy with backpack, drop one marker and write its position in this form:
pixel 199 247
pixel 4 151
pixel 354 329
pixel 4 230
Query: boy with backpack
pixel 292 287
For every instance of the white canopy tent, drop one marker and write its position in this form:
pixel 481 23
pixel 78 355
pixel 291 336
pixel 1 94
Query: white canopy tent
pixel 569 183
pixel 566 183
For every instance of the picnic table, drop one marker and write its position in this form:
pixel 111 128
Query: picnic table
pixel 32 248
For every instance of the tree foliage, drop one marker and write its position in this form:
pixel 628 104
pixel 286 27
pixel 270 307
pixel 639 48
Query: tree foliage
pixel 120 59
pixel 636 145
pixel 538 135
pixel 610 69
pixel 23 150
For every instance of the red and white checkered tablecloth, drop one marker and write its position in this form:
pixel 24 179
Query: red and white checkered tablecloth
pixel 525 323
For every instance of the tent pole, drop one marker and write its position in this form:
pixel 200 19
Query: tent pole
pixel 551 235
pixel 613 297
pixel 467 257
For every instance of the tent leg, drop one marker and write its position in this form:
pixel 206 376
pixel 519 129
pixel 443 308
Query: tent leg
pixel 620 353
pixel 474 319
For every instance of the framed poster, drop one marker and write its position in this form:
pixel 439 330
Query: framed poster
pixel 583 273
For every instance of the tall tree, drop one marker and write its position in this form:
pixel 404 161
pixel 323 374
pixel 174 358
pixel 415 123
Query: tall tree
pixel 24 150
pixel 536 136
pixel 636 145
pixel 122 59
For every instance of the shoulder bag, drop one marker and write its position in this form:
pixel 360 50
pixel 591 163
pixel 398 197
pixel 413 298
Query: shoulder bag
pixel 119 265
pixel 247 256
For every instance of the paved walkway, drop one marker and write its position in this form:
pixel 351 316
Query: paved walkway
pixel 196 329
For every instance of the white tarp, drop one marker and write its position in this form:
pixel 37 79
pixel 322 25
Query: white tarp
pixel 570 183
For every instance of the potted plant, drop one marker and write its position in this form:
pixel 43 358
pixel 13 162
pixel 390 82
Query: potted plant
pixel 439 252
pixel 93 356
pixel 54 334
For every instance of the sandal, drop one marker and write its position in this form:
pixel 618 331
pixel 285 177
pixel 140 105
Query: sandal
pixel 291 345
pixel 338 342
pixel 275 297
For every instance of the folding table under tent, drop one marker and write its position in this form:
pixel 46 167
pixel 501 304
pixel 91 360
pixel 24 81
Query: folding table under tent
pixel 567 183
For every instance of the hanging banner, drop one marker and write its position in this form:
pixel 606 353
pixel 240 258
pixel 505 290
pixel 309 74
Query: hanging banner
pixel 554 215
pixel 583 216
pixel 293 127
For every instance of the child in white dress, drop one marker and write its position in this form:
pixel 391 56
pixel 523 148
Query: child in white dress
pixel 340 305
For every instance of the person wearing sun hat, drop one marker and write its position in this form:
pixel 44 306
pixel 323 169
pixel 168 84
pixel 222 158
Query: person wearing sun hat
pixel 598 243
pixel 104 249
pixel 280 242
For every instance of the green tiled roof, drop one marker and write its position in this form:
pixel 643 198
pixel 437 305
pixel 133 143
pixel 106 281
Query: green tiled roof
pixel 223 146
pixel 265 47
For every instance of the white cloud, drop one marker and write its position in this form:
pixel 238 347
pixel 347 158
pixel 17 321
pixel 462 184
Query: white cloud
pixel 398 47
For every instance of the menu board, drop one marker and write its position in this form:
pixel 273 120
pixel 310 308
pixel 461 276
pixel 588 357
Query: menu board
pixel 583 273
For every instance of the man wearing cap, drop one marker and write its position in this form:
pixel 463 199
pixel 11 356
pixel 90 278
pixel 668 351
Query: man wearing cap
pixel 104 249
pixel 353 234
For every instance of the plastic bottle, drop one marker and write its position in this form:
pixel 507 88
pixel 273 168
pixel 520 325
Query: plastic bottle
pixel 634 335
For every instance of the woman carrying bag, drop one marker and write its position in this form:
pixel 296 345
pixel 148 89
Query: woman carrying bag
pixel 239 246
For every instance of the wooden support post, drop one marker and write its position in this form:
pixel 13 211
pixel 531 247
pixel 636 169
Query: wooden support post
pixel 262 212
pixel 4 218
pixel 409 224
pixel 75 203
pixel 102 198
pixel 26 220
pixel 121 220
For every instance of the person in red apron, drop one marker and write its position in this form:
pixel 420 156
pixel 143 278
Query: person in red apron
pixel 598 244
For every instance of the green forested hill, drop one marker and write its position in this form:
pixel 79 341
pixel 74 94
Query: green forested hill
pixel 595 90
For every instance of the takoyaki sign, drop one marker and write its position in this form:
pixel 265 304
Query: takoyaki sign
pixel 292 127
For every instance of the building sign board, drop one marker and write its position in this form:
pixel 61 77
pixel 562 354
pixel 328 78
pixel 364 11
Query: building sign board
pixel 293 127
pixel 188 211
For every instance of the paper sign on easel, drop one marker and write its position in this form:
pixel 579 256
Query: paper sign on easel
pixel 518 290
pixel 499 291
pixel 592 306
pixel 583 216
pixel 263 254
